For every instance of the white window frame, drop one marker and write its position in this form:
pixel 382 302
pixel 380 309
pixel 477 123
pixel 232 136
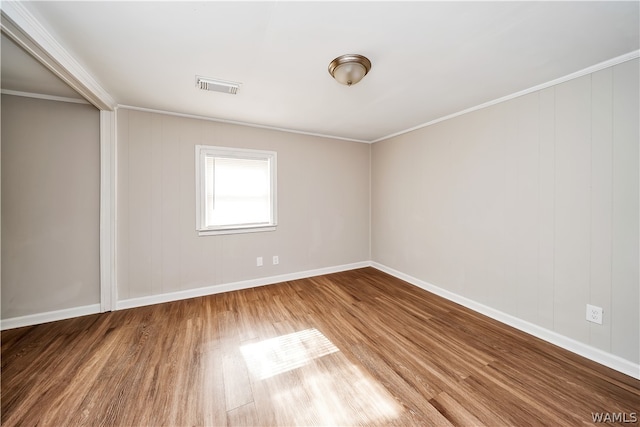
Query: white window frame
pixel 202 152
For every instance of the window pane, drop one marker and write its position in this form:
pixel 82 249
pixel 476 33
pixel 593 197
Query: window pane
pixel 236 190
pixel 240 191
pixel 209 162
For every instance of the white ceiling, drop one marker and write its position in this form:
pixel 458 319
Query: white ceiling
pixel 430 59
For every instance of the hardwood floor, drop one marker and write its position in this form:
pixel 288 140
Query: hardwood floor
pixel 352 348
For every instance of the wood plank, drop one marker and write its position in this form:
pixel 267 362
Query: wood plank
pixel 454 411
pixel 351 348
pixel 245 415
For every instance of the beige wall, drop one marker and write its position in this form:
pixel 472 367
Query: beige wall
pixel 50 206
pixel 529 207
pixel 323 206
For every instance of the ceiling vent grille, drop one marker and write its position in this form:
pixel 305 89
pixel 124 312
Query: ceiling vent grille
pixel 214 85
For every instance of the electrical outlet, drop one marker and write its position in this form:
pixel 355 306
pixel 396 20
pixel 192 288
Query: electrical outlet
pixel 259 261
pixel 276 260
pixel 594 314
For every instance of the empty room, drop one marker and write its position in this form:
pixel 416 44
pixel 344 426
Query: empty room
pixel 320 213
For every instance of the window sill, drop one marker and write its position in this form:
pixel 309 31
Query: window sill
pixel 236 230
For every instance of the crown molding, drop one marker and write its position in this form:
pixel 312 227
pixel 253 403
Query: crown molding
pixel 21 26
pixel 24 29
pixel 234 122
pixel 589 70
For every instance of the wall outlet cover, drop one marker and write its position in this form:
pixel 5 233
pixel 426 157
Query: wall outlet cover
pixel 594 314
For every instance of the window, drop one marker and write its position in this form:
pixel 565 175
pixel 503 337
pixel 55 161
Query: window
pixel 235 190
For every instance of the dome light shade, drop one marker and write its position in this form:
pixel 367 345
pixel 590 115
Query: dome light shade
pixel 349 69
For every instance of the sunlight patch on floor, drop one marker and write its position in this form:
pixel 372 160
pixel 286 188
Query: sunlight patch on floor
pixel 344 395
pixel 274 356
pixel 327 391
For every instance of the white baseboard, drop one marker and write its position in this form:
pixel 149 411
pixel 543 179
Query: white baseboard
pixel 227 287
pixel 50 316
pixel 607 359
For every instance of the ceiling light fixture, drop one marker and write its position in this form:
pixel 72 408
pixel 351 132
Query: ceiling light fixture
pixel 216 85
pixel 349 69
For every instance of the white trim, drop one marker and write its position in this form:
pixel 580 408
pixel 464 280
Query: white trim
pixel 107 210
pixel 50 316
pixel 236 230
pixel 23 28
pixel 234 122
pixel 592 69
pixel 599 356
pixel 209 151
pixel 228 287
pixel 607 359
pixel 45 97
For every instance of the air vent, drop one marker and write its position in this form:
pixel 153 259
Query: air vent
pixel 215 85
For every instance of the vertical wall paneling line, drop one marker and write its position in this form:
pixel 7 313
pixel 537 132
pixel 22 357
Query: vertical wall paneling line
pixel 107 210
pixel 573 129
pixel 591 190
pixel 555 157
pixel 128 208
pixel 601 173
pixel 142 228
pixel 171 180
pixel 1 212
pixel 546 238
pixel 611 207
pixel 625 316
pixel 370 200
pixel 162 218
pixel 127 287
pixel 575 197
pixel 539 205
pixel 527 204
pixel 114 210
pixel 536 207
pixel 156 211
pixel 539 208
pixel 131 226
pixel 127 230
